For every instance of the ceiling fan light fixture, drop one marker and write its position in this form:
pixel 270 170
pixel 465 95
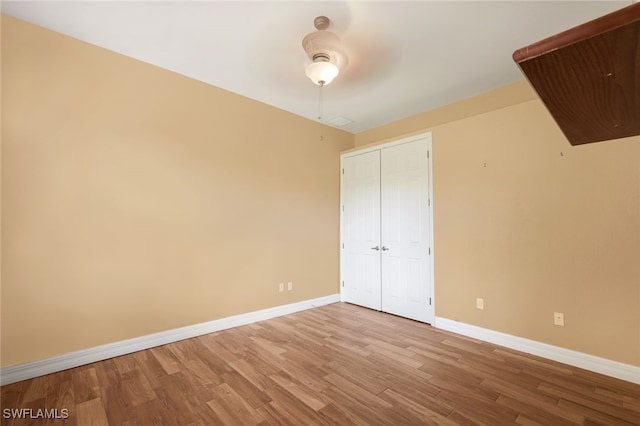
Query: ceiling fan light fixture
pixel 321 71
pixel 323 49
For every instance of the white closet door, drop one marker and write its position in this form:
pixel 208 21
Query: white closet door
pixel 361 230
pixel 406 274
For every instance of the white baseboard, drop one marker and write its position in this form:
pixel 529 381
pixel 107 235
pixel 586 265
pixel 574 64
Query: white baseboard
pixel 29 370
pixel 604 366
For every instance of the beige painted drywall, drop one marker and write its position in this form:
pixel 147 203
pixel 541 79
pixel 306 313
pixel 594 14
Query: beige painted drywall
pixel 502 97
pixel 136 200
pixel 533 225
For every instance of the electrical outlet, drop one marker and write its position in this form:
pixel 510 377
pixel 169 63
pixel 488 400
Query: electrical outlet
pixel 290 285
pixel 281 287
pixel 480 303
pixel 558 318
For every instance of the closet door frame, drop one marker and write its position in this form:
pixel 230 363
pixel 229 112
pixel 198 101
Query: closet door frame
pixel 378 147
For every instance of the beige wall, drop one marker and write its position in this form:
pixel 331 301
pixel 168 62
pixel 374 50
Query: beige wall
pixel 136 200
pixel 485 102
pixel 532 224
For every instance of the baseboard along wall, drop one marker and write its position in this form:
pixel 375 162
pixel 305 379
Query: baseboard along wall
pixel 29 370
pixel 593 363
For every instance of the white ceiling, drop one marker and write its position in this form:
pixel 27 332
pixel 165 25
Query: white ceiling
pixel 403 57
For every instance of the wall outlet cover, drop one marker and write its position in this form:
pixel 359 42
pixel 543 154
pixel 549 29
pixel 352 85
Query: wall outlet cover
pixel 558 318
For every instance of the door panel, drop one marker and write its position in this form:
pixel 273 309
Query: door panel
pixel 361 230
pixel 406 274
pixel 385 205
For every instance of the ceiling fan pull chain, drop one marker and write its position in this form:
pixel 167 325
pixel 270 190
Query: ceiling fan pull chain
pixel 320 111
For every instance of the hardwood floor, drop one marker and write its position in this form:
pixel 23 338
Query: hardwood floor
pixel 334 365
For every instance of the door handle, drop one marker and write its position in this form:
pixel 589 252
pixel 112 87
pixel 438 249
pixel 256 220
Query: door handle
pixel 385 248
pixel 376 248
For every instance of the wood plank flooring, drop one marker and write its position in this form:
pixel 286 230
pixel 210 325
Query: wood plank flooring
pixel 338 364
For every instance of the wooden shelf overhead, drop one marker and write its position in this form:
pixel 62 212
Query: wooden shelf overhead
pixel 589 76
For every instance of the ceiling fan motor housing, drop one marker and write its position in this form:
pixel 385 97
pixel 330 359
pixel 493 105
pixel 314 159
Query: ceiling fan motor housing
pixel 321 43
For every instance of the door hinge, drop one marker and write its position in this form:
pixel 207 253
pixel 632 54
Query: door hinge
pixel 429 301
pixel 427 154
pixel 429 250
pixel 342 245
pixel 342 171
pixel 428 201
pixel 342 283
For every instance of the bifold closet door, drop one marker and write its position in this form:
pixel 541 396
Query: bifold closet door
pixel 405 227
pixel 360 263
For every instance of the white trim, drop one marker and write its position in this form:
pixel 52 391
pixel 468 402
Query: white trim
pixel 359 151
pixel 621 371
pixel 29 370
pixel 432 246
